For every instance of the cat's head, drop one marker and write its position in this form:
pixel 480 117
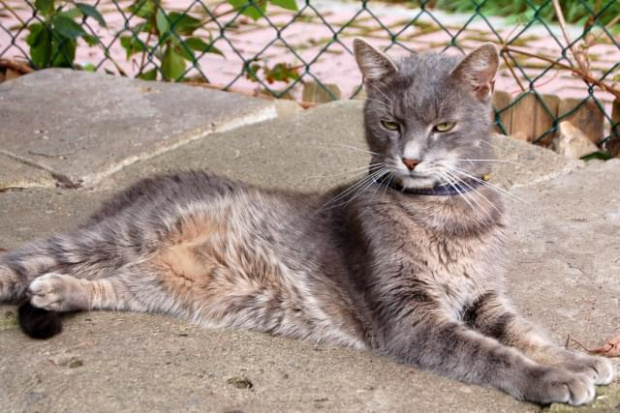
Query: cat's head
pixel 428 116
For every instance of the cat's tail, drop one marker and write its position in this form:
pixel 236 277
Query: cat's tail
pixel 17 269
pixel 39 323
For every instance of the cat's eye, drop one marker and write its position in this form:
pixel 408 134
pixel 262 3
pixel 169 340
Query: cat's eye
pixel 444 127
pixel 389 125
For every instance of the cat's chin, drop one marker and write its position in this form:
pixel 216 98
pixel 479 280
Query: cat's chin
pixel 410 182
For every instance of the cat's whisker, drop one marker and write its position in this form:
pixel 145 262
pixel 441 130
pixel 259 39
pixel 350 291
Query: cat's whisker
pixel 353 189
pixel 454 181
pixel 451 182
pixel 353 171
pixel 355 148
pixel 490 185
pixel 492 145
pixel 465 183
pixel 492 160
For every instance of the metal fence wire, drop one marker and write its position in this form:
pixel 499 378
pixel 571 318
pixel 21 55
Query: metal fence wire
pixel 560 60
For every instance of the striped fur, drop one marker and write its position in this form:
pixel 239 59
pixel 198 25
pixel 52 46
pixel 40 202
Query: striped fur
pixel 414 278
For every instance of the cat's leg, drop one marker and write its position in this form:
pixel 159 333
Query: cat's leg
pixel 430 339
pixel 492 315
pixel 20 266
pixel 62 292
pixel 88 253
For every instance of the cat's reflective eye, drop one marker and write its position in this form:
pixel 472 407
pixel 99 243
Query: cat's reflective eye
pixel 389 125
pixel 444 127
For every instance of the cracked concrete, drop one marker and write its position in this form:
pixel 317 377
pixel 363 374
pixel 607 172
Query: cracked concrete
pixel 562 273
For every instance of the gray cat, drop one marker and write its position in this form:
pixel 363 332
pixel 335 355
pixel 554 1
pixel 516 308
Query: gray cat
pixel 406 262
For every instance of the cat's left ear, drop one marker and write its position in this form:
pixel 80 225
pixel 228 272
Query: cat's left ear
pixel 478 70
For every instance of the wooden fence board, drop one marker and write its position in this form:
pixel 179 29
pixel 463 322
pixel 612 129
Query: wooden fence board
pixel 588 118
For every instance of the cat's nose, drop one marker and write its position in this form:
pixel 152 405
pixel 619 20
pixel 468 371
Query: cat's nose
pixel 410 163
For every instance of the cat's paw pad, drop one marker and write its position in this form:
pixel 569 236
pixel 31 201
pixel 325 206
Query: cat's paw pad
pixel 557 385
pixel 53 292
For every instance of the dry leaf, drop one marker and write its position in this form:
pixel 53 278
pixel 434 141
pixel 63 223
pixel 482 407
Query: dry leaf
pixel 609 349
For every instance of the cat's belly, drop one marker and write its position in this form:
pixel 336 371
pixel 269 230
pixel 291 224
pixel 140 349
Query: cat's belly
pixel 220 272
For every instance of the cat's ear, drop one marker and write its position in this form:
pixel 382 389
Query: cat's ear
pixel 478 70
pixel 373 63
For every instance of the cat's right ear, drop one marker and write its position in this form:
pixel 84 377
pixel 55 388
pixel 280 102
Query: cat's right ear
pixel 373 63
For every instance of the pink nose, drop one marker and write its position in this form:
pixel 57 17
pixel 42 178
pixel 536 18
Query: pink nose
pixel 410 163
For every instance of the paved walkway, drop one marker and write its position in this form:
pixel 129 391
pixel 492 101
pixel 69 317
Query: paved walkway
pixel 563 269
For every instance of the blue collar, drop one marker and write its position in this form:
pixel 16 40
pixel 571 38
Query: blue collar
pixel 442 190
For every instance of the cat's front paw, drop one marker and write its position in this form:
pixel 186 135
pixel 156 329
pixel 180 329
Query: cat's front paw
pixel 599 369
pixel 551 385
pixel 56 292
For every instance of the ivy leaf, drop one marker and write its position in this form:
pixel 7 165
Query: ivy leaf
pixel 183 24
pixel 161 21
pixel 40 42
pixel 285 4
pixel 199 45
pixel 254 9
pixel 150 75
pixel 91 11
pixel 67 27
pixel 173 64
pixel 132 45
pixel 143 8
pixel 45 7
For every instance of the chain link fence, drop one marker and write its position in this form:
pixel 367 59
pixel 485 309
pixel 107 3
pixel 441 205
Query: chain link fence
pixel 560 60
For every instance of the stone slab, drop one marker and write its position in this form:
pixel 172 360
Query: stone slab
pixel 322 147
pixel 132 362
pixel 17 175
pixel 84 126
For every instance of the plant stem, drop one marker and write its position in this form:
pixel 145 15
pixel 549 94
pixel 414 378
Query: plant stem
pixel 585 76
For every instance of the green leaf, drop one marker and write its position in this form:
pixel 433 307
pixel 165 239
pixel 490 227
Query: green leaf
pixel 40 42
pixel 88 67
pixel 63 51
pixel 143 8
pixel 603 156
pixel 285 4
pixel 45 7
pixel 91 40
pixel 199 45
pixel 91 11
pixel 162 22
pixel 67 27
pixel 150 75
pixel 183 24
pixel 254 9
pixel 71 13
pixel 132 45
pixel 172 65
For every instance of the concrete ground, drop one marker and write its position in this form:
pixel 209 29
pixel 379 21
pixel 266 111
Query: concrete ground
pixel 56 166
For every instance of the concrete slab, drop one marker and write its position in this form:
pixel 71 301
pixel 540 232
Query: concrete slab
pixel 561 275
pixel 322 147
pixel 84 126
pixel 15 174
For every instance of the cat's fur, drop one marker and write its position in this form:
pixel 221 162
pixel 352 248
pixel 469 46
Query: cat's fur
pixel 413 277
